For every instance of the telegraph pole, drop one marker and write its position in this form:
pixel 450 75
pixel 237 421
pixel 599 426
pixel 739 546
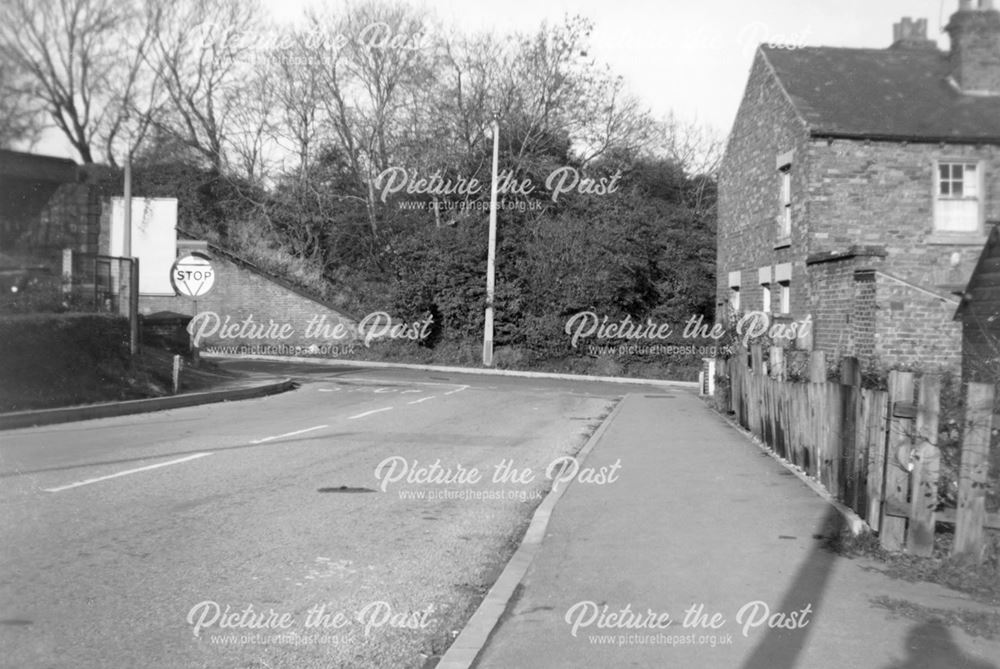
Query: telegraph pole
pixel 491 254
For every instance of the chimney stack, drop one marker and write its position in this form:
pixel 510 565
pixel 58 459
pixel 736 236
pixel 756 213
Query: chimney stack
pixel 910 34
pixel 975 47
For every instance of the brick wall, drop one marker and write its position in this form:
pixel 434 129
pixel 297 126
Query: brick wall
pixel 69 218
pixel 915 329
pixel 863 327
pixel 865 193
pixel 842 306
pixel 750 189
pixel 240 292
pixel 976 50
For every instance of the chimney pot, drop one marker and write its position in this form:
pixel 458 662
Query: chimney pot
pixel 911 34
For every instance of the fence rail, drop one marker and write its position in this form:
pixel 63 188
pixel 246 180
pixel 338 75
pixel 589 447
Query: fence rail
pixel 875 450
pixel 77 282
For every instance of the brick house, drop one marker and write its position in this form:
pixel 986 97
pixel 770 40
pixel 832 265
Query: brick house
pixel 858 188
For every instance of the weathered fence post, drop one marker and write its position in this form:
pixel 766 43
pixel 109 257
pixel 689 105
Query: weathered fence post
pixel 67 274
pixel 924 483
pixel 973 470
pixel 737 376
pixel 875 417
pixel 777 356
pixel 722 404
pixel 852 460
pixel 897 476
pixel 176 376
pixel 817 367
pixel 817 413
pixel 754 392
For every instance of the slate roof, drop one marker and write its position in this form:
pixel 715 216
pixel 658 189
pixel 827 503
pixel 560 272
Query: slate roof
pixel 893 94
pixel 981 299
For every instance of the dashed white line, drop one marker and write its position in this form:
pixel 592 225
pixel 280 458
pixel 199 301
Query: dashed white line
pixel 457 390
pixel 422 399
pixel 287 434
pixel 126 472
pixel 369 413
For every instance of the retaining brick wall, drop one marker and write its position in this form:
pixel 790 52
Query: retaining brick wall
pixel 239 293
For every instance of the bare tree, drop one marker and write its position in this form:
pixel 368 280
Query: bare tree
pixel 368 80
pixel 200 53
pixel 695 147
pixel 550 95
pixel 252 127
pixel 21 115
pixel 84 60
pixel 295 76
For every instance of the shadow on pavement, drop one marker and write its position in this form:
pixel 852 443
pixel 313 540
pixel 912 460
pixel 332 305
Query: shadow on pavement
pixel 780 648
pixel 930 646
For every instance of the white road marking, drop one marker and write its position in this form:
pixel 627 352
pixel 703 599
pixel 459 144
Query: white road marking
pixel 383 390
pixel 288 434
pixel 398 382
pixel 328 390
pixel 369 413
pixel 422 399
pixel 127 472
pixel 412 390
pixel 457 390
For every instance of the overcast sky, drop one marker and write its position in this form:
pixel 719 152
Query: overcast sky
pixel 693 56
pixel 687 56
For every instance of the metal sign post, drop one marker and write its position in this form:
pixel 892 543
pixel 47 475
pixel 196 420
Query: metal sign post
pixel 133 298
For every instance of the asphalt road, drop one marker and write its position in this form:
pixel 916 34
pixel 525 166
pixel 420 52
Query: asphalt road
pixel 308 529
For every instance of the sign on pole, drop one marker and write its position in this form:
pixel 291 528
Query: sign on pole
pixel 192 275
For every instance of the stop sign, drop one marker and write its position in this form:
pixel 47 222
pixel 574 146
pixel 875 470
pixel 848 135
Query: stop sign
pixel 192 275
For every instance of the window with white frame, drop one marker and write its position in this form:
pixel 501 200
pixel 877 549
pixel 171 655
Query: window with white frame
pixel 785 215
pixel 734 291
pixel 957 201
pixel 764 278
pixel 783 277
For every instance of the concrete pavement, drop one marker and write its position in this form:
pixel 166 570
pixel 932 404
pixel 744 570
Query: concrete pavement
pixel 706 552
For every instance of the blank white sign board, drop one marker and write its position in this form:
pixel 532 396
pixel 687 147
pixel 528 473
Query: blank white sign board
pixel 154 240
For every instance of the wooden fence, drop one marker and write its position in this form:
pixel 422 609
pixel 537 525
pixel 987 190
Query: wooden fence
pixel 875 450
